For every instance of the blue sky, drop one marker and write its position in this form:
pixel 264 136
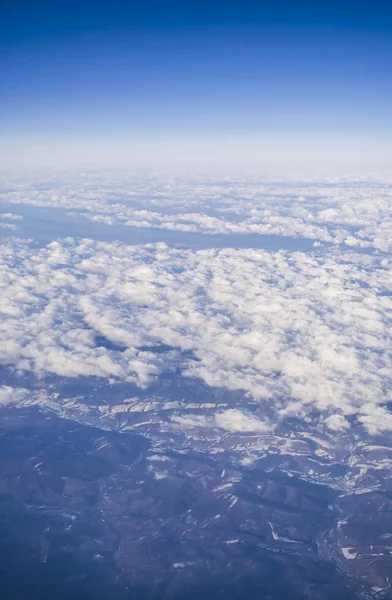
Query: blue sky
pixel 180 69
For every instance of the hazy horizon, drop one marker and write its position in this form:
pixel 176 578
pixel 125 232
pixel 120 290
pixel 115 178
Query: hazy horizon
pixel 194 85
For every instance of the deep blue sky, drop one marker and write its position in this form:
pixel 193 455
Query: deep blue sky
pixel 121 67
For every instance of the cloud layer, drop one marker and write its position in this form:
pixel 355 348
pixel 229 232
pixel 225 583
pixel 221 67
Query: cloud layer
pixel 300 330
pixel 351 212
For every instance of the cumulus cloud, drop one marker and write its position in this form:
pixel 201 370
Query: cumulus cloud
pixel 11 216
pixel 192 421
pixel 235 421
pixel 232 420
pixel 9 226
pixel 351 212
pixel 337 422
pixel 300 330
pixel 376 419
pixel 10 395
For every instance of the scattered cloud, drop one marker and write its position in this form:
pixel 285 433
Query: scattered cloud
pixel 11 216
pixel 300 330
pixel 350 212
pixel 235 421
pixel 337 422
pixel 9 226
pixel 10 395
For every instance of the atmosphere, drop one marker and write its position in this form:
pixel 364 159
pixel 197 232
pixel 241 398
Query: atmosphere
pixel 195 300
pixel 116 75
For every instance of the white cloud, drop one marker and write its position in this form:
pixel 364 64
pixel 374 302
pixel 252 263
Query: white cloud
pixel 10 395
pixel 11 216
pixel 9 226
pixel 353 212
pixel 301 330
pixel 376 419
pixel 337 422
pixel 192 420
pixel 235 421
